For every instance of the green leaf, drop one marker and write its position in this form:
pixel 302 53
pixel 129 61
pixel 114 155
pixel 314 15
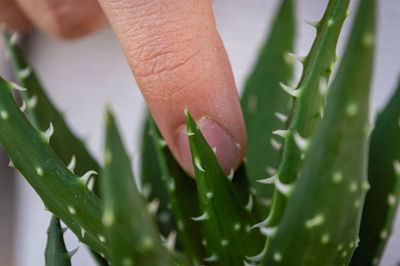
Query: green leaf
pixel 41 112
pixel 265 105
pixel 56 253
pixel 226 222
pixel 183 198
pixel 130 229
pixel 63 193
pixel 384 176
pixel 306 115
pixel 321 223
pixel 151 178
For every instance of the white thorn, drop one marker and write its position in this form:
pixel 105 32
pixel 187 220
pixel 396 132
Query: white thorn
pixel 85 178
pixel 23 107
pixel 249 204
pixel 83 232
pixel 170 241
pixel 23 74
pixel 201 218
pixel 268 180
pixel 281 132
pixel 291 91
pixel 14 38
pixel 275 144
pixel 72 252
pixel 285 189
pixel 32 102
pixel 48 133
pixel 190 134
pixel 268 231
pixel 64 229
pixel 214 149
pixel 17 87
pixel 231 174
pixel 296 57
pixel 261 224
pixel 153 206
pixel 212 258
pixel 270 170
pixel 11 164
pixel 281 117
pixel 258 257
pixel 312 23
pixel 72 163
pixel 162 142
pixel 301 142
pixel 198 165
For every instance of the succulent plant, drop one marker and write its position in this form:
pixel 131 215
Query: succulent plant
pixel 329 199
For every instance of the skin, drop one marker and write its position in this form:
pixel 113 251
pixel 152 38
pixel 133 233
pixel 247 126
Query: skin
pixel 176 56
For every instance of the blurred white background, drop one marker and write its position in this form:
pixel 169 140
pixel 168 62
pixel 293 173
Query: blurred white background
pixel 82 75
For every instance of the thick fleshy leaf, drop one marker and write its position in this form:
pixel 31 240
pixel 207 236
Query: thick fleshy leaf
pixel 321 223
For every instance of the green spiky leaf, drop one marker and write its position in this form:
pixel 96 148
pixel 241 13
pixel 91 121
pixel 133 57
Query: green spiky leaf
pixel 56 253
pixel 321 223
pixel 265 105
pixel 183 198
pixel 226 222
pixel 63 193
pixel 384 177
pixel 130 229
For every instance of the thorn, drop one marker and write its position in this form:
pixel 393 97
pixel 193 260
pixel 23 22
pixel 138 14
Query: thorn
pixel 15 86
pixel 249 204
pixel 285 189
pixel 268 231
pixel 64 229
pixel 48 133
pixel 212 258
pixel 281 117
pixel 23 74
pixel 275 144
pixel 258 257
pixel 190 134
pixel 170 241
pixel 261 224
pixel 83 232
pixel 23 107
pixel 268 180
pixel 85 178
pixel 301 142
pixel 214 150
pixel 296 57
pixel 201 218
pixel 32 102
pixel 11 164
pixel 198 165
pixel 231 174
pixel 396 166
pixel 314 24
pixel 291 91
pixel 282 133
pixel 153 206
pixel 72 252
pixel 14 38
pixel 72 163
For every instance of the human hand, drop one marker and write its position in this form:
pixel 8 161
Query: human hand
pixel 175 54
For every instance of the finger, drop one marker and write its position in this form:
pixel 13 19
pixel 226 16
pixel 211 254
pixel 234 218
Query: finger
pixel 64 18
pixel 178 60
pixel 12 16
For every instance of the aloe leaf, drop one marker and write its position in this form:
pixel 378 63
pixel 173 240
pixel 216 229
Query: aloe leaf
pixel 321 222
pixel 265 105
pixel 130 229
pixel 183 197
pixel 56 253
pixel 151 178
pixel 63 193
pixel 225 221
pixel 384 177
pixel 310 96
pixel 41 112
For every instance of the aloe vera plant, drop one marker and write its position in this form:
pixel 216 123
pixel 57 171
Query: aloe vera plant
pixel 325 195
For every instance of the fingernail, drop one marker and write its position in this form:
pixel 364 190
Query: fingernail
pixel 227 152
